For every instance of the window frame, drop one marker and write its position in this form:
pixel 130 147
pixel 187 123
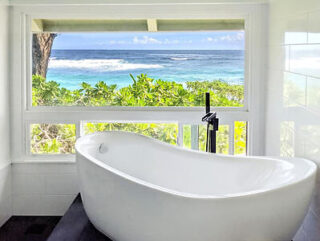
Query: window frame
pixel 23 113
pixel 31 108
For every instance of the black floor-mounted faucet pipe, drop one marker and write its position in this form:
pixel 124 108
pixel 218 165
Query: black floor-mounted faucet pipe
pixel 212 127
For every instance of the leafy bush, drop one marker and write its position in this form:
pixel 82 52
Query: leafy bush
pixel 144 91
pixel 53 138
pixel 166 132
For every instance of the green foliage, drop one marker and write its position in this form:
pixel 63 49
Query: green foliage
pixel 240 137
pixel 53 138
pixel 144 91
pixel 222 138
pixel 162 131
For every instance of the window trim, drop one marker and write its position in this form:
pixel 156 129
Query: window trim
pixel 23 113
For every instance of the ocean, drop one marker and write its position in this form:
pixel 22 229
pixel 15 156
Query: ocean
pixel 72 67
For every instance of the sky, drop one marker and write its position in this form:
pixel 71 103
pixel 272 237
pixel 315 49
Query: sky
pixel 226 40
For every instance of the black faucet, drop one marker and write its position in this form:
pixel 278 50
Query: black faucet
pixel 212 127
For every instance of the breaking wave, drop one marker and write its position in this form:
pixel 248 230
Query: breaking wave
pixel 99 64
pixel 179 58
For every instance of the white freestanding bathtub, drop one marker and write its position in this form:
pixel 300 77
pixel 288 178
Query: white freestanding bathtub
pixel 135 188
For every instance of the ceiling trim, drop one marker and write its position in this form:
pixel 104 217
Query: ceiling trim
pixel 128 2
pixel 151 25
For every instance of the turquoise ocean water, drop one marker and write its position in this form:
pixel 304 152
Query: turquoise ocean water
pixel 72 67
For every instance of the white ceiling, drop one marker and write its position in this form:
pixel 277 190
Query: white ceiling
pixel 80 2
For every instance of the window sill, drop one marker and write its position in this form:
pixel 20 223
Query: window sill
pixel 43 159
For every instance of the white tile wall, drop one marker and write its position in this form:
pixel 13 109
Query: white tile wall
pixel 314 27
pixel 5 193
pixel 313 94
pixel 296 29
pixel 294 90
pixel 43 189
pixel 293 98
pixel 28 184
pixel 5 167
pixel 305 59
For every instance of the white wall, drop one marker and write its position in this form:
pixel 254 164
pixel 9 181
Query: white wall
pixel 43 189
pixel 5 167
pixel 293 102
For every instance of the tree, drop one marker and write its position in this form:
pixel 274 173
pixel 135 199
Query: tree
pixel 41 50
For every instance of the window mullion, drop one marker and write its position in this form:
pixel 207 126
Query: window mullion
pixel 180 134
pixel 231 138
pixel 195 137
pixel 78 129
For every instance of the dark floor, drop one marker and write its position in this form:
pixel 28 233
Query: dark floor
pixel 28 228
pixel 75 226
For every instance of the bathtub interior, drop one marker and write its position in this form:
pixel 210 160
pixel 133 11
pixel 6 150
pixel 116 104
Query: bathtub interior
pixel 189 171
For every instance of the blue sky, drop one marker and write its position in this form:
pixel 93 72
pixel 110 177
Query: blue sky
pixel 233 40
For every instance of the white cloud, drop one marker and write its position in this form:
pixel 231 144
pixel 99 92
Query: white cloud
pixel 150 40
pixel 146 40
pixel 225 38
pixel 210 39
pixel 168 41
pixel 118 42
pixel 240 35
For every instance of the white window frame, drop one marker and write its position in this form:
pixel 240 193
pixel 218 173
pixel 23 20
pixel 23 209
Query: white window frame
pixel 23 113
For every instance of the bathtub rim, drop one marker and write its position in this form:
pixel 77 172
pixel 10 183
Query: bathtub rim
pixel 311 174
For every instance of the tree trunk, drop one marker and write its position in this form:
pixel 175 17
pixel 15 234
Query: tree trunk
pixel 41 50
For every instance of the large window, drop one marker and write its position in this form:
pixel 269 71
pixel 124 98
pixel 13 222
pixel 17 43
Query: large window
pixel 81 66
pixel 160 68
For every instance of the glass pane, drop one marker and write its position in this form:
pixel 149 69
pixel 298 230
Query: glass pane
pixel 187 136
pixel 138 68
pixel 287 139
pixel 240 138
pixel 222 138
pixel 166 132
pixel 53 138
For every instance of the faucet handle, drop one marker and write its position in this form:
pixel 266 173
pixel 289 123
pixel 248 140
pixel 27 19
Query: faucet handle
pixel 207 102
pixel 209 117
